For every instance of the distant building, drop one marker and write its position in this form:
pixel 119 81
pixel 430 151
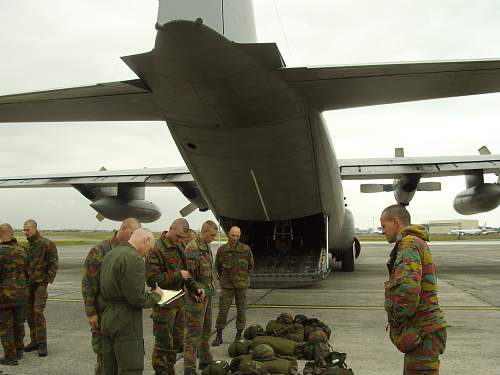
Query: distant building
pixel 445 226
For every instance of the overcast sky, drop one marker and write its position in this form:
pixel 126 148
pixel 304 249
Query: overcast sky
pixel 59 43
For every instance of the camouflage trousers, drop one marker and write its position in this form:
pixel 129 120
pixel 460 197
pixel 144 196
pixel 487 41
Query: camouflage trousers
pixel 424 359
pixel 97 348
pixel 225 299
pixel 165 331
pixel 12 329
pixel 198 329
pixel 34 312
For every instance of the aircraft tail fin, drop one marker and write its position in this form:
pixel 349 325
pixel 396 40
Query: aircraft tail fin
pixel 233 19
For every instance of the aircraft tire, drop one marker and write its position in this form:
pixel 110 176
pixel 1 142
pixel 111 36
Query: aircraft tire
pixel 348 261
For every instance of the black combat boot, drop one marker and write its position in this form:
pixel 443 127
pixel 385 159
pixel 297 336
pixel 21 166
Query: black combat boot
pixel 42 350
pixel 19 353
pixel 238 334
pixel 8 361
pixel 218 338
pixel 31 347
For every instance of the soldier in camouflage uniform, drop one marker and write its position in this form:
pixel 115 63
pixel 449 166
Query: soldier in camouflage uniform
pixel 233 262
pixel 42 255
pixel 199 307
pixel 416 321
pixel 14 276
pixel 90 282
pixel 166 268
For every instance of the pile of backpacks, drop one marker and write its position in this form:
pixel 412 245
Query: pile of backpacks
pixel 276 349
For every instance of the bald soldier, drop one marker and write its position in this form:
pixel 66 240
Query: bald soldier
pixel 14 275
pixel 166 268
pixel 90 281
pixel 233 263
pixel 43 260
pixel 198 326
pixel 122 294
pixel 416 321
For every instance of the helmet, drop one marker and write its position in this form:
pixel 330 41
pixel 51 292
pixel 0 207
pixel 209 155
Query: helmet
pixel 263 352
pixel 285 318
pixel 239 347
pixel 318 336
pixel 252 331
pixel 299 318
pixel 216 368
pixel 247 366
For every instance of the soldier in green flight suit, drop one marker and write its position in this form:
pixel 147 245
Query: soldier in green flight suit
pixel 233 262
pixel 166 268
pixel 199 306
pixel 43 259
pixel 122 296
pixel 14 275
pixel 416 321
pixel 90 281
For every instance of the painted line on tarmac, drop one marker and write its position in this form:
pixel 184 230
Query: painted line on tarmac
pixel 322 307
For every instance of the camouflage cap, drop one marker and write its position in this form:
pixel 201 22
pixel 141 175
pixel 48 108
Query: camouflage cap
pixel 263 352
pixel 285 318
pixel 318 336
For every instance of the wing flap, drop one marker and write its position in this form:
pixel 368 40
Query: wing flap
pixel 329 88
pixel 112 101
pixel 380 168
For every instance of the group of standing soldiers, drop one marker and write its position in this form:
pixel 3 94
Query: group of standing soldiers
pixel 25 273
pixel 179 259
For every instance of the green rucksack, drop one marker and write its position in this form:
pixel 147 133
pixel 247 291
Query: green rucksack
pixel 216 368
pixel 239 347
pixel 291 331
pixel 281 346
pixel 249 367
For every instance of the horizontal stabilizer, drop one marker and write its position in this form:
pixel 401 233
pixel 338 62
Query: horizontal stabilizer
pixel 375 188
pixel 112 101
pixel 337 87
pixel 429 186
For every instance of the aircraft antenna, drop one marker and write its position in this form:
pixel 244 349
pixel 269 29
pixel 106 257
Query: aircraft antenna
pixel 287 44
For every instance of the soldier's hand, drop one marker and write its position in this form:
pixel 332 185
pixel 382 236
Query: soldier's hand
pixel 158 290
pixel 201 294
pixel 185 274
pixel 94 322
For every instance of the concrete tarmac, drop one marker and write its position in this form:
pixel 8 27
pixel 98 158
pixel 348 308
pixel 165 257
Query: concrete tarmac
pixel 350 303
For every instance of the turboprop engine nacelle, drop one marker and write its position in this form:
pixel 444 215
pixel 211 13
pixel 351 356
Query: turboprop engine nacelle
pixel 117 208
pixel 479 198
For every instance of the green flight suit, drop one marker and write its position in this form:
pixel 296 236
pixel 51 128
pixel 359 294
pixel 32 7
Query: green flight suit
pixel 122 296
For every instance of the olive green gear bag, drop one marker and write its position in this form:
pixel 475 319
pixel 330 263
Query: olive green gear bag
pixel 281 346
pixel 216 368
pixel 239 347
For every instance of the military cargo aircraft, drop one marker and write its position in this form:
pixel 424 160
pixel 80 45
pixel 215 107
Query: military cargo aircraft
pixel 211 82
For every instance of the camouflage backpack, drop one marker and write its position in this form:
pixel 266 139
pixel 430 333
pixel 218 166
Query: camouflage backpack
pixel 265 354
pixel 313 324
pixel 250 367
pixel 252 331
pixel 239 347
pixel 216 368
pixel 284 326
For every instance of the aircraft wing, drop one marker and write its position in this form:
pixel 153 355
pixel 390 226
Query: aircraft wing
pixel 112 101
pixel 329 88
pixel 390 168
pixel 172 176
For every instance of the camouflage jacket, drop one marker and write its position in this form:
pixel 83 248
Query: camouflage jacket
pixel 43 260
pixel 91 270
pixel 233 265
pixel 411 299
pixel 199 262
pixel 163 268
pixel 14 274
